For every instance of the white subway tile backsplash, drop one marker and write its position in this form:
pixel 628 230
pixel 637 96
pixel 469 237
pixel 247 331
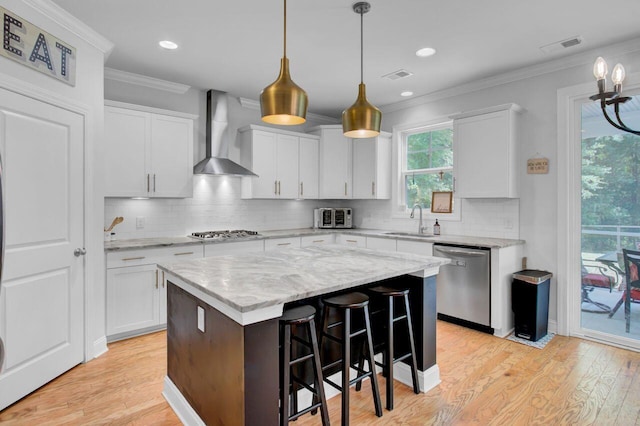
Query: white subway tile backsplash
pixel 216 204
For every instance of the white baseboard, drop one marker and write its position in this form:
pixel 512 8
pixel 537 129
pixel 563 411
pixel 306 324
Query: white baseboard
pixel 552 326
pixel 179 404
pixel 100 347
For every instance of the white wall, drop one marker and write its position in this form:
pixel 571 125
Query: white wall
pixel 87 94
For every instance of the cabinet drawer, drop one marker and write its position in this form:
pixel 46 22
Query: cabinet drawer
pixel 315 240
pixel 375 243
pixel 280 243
pixel 237 247
pixel 415 247
pixel 119 259
pixel 351 240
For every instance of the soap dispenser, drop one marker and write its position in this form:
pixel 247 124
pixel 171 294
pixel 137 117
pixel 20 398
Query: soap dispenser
pixel 436 228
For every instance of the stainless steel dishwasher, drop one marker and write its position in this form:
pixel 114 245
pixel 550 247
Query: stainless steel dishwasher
pixel 464 286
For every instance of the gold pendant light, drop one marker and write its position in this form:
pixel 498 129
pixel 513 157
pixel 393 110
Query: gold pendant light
pixel 361 120
pixel 284 102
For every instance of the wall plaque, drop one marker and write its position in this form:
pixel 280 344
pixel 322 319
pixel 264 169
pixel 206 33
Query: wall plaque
pixel 537 166
pixel 31 46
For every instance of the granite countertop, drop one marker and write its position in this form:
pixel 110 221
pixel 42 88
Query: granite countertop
pixel 140 243
pixel 253 281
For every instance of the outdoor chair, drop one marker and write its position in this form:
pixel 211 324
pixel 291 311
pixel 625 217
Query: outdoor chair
pixel 631 291
pixel 592 279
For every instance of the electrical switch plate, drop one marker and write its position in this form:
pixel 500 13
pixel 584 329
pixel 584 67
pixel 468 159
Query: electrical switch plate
pixel 139 222
pixel 200 319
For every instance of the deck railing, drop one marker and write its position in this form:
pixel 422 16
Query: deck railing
pixel 625 237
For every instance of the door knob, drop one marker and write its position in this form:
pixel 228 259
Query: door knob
pixel 80 252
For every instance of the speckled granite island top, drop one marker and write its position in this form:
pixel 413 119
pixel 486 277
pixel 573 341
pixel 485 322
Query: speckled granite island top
pixel 255 281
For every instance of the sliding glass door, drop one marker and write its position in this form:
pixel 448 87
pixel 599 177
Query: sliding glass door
pixel 610 222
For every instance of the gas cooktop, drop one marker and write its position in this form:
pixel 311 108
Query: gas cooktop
pixel 223 235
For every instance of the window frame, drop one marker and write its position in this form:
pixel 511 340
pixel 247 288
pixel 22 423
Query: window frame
pixel 401 135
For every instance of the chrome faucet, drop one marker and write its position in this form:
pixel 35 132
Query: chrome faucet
pixel 420 227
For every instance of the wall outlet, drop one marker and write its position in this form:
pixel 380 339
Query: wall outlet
pixel 140 222
pixel 200 319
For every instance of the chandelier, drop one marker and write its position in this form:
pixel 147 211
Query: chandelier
pixel 611 98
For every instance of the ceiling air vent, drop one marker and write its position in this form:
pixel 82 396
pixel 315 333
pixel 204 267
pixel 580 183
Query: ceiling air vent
pixel 563 44
pixel 396 75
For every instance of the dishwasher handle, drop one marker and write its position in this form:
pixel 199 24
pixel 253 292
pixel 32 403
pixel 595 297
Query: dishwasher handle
pixel 447 250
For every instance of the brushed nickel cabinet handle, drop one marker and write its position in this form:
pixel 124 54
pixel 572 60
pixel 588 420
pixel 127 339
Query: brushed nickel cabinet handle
pixel 301 189
pixel 318 241
pixel 279 182
pixel 148 183
pixel 154 182
pixel 183 253
pixel 345 189
pixel 156 278
pixel 275 187
pixel 373 188
pixel 352 241
pixel 133 258
pixel 162 279
pixel 284 244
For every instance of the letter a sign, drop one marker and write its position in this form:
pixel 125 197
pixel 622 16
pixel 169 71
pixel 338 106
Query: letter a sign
pixel 25 43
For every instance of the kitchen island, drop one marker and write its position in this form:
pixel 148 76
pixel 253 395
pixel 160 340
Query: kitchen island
pixel 222 328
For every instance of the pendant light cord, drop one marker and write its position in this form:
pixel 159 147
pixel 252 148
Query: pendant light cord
pixel 361 47
pixel 285 28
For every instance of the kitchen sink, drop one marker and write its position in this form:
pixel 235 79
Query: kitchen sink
pixel 409 234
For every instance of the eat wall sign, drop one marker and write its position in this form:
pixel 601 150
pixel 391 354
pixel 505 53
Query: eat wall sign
pixel 31 46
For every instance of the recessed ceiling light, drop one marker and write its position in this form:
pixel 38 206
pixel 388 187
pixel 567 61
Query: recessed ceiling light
pixel 405 94
pixel 166 44
pixel 425 51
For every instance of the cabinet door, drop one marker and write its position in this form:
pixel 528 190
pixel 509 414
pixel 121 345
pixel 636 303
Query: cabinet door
pixel 132 298
pixel 287 166
pixel 308 168
pixel 364 168
pixel 335 165
pixel 171 156
pixel 484 150
pixel 264 164
pixel 127 135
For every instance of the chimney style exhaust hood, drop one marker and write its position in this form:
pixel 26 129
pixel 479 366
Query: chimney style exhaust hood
pixel 216 161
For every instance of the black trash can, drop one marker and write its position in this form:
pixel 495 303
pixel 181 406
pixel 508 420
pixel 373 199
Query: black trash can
pixel 530 303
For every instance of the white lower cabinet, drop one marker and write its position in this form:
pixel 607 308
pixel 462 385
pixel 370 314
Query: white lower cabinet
pixel 137 290
pixel 133 299
pixel 415 247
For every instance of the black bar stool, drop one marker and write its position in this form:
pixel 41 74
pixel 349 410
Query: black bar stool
pixel 289 382
pixel 388 296
pixel 345 304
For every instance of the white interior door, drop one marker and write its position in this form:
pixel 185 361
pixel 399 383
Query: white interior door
pixel 41 302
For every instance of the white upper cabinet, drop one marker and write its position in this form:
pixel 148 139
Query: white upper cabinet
pixel 308 168
pixel 277 157
pixel 148 152
pixel 372 167
pixel 335 172
pixel 485 152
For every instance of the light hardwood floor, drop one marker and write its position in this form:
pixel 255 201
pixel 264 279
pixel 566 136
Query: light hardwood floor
pixel 485 381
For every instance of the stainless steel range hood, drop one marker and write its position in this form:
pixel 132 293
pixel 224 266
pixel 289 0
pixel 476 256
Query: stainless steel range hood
pixel 216 161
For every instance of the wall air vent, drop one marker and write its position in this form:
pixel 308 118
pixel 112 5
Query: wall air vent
pixel 396 75
pixel 560 45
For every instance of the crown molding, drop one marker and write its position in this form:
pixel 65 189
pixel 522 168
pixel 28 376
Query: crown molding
pixel 72 24
pixel 143 80
pixel 322 119
pixel 578 59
